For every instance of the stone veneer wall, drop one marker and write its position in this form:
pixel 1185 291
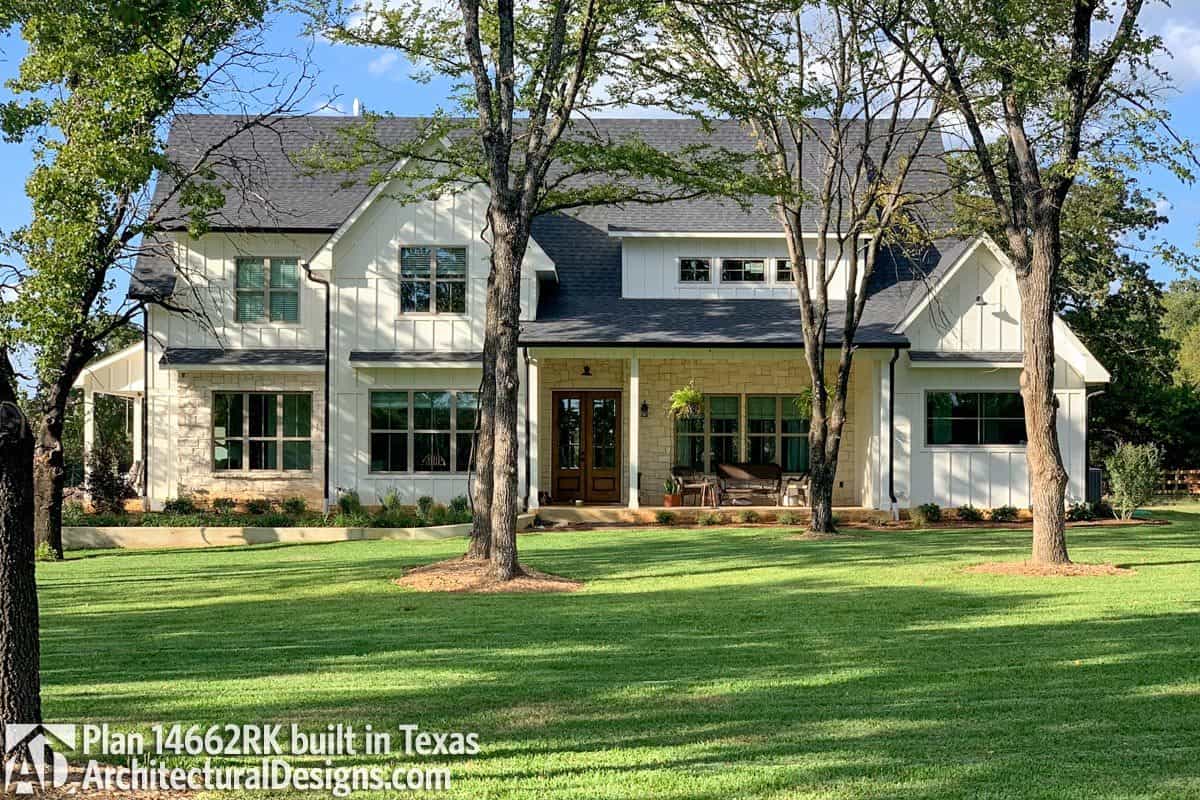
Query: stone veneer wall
pixel 194 393
pixel 749 374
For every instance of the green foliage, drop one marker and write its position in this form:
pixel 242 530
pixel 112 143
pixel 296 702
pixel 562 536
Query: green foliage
pixel 924 514
pixel 349 503
pixel 709 518
pixel 460 505
pixel 294 505
pixel 272 521
pixel 664 517
pixel 108 485
pixel 668 486
pixel 686 402
pixel 74 514
pixel 789 518
pixel 183 504
pixel 1133 473
pixel 258 506
pixel 424 506
pixel 355 519
pixel 747 516
pixel 222 505
pixel 1080 512
pixel 44 552
pixel 1181 322
pixel 969 513
pixel 1004 514
pixel 391 501
pixel 804 402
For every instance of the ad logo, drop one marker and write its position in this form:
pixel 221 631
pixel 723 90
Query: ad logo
pixel 31 759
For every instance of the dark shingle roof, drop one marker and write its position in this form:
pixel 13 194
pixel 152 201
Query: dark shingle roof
pixel 213 356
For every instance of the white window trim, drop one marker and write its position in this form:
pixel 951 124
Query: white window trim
pixel 712 274
pixel 433 312
pixel 266 320
pixel 926 447
pixel 767 265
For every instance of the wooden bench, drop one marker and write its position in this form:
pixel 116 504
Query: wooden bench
pixel 743 481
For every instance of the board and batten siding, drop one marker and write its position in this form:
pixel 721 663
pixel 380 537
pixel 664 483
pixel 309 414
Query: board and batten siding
pixel 650 268
pixel 955 322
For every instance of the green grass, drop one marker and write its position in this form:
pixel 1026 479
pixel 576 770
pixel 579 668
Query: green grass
pixel 714 663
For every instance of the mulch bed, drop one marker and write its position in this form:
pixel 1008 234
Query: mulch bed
pixel 73 788
pixel 1024 568
pixel 474 576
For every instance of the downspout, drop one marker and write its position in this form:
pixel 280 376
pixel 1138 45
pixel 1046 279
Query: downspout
pixel 892 433
pixel 325 430
pixel 525 499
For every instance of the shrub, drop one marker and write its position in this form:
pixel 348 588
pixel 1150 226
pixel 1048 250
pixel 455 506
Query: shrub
pixel 748 517
pixel 184 504
pixel 107 484
pixel 391 500
pixel 1080 512
pixel 294 506
pixel 424 506
pixel 925 513
pixel 352 520
pixel 223 505
pixel 258 506
pixel 1133 472
pixel 43 552
pixel 272 521
pixel 460 505
pixel 664 517
pixel 710 518
pixel 1101 509
pixel 350 505
pixel 1004 514
pixel 438 515
pixel 789 518
pixel 969 513
pixel 73 513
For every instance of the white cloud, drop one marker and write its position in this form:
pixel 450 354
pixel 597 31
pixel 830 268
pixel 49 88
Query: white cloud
pixel 383 63
pixel 1162 206
pixel 1182 39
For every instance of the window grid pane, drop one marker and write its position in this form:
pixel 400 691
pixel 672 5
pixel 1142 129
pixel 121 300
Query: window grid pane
pixel 694 270
pixel 743 270
pixel 247 434
pixel 421 431
pixel 974 418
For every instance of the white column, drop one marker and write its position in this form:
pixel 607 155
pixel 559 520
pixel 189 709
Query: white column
pixel 635 405
pixel 89 425
pixel 532 444
pixel 137 434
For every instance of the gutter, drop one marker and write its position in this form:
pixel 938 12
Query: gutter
pixel 892 433
pixel 325 432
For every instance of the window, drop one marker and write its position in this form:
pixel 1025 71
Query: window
pixel 422 431
pixel 262 431
pixel 695 270
pixel 268 289
pixel 433 280
pixel 783 271
pixel 777 433
pixel 710 439
pixel 743 270
pixel 974 418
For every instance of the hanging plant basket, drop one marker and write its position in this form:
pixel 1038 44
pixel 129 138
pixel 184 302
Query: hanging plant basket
pixel 686 403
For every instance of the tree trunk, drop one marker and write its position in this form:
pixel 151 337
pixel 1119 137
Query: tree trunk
pixel 20 689
pixel 481 498
pixel 820 488
pixel 507 252
pixel 49 474
pixel 1047 478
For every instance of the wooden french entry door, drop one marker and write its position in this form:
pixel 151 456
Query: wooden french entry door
pixel 587 447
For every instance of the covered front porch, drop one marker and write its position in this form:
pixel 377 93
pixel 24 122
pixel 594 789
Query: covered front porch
pixel 601 436
pixel 120 374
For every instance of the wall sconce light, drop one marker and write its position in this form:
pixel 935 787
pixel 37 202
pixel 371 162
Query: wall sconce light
pixel 587 371
pixel 645 409
pixel 979 301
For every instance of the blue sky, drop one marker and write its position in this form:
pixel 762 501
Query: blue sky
pixel 382 82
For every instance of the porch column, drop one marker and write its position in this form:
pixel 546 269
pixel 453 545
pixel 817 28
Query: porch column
pixel 89 427
pixel 635 403
pixel 137 435
pixel 532 444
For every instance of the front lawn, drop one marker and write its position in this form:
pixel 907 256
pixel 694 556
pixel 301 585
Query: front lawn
pixel 705 663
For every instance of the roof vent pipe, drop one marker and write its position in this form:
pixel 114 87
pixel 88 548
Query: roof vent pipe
pixel 356 108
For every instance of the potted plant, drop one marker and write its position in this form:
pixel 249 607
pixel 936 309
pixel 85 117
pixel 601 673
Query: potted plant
pixel 686 402
pixel 672 498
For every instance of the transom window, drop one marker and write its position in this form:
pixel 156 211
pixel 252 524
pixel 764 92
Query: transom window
pixel 433 280
pixel 422 431
pixel 695 270
pixel 268 289
pixel 777 433
pixel 743 270
pixel 262 431
pixel 712 438
pixel 974 418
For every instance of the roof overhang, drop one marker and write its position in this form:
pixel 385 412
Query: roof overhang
pixel 120 373
pixel 248 360
pixel 242 367
pixel 619 232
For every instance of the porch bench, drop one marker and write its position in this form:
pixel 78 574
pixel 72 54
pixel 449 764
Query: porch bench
pixel 740 481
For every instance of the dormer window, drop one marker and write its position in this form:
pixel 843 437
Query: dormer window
pixel 743 270
pixel 433 280
pixel 695 270
pixel 268 289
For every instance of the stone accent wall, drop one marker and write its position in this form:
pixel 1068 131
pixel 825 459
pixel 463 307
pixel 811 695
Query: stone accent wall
pixel 749 374
pixel 195 472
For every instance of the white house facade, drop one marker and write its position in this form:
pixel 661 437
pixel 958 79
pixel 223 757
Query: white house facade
pixel 332 342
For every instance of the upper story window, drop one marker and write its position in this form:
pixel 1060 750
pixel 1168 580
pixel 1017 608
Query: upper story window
pixel 974 418
pixel 743 270
pixel 433 280
pixel 695 270
pixel 268 289
pixel 783 271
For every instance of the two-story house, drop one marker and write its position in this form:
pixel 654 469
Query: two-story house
pixel 335 343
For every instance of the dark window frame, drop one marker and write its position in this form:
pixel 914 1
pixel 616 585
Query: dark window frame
pixel 779 436
pixel 743 261
pixel 708 271
pixel 980 418
pixel 706 432
pixel 266 291
pixel 455 432
pixel 279 438
pixel 433 280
